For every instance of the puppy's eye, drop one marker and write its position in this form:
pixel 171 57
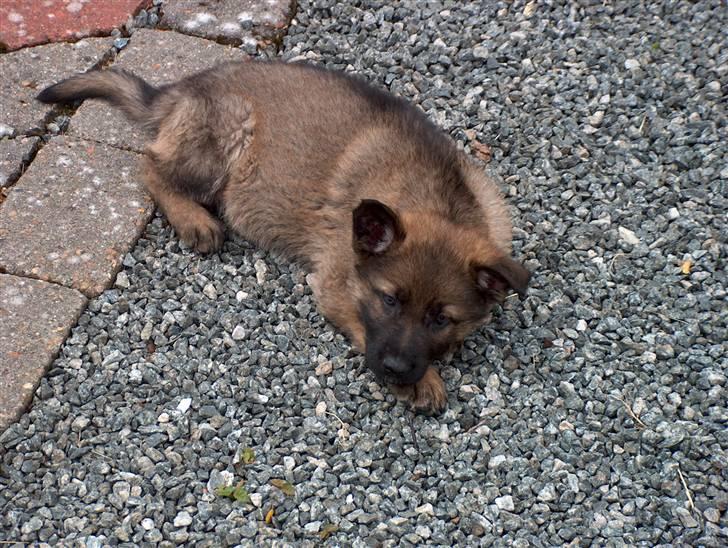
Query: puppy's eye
pixel 389 300
pixel 441 320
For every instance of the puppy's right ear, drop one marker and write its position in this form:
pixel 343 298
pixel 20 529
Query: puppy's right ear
pixel 502 276
pixel 376 228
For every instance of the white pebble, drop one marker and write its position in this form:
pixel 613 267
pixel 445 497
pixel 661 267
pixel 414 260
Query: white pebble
pixel 312 527
pixel 321 409
pixel 713 86
pixel 673 213
pixel 238 333
pixel 79 423
pixel 443 433
pixel 183 519
pixel 259 398
pixel 210 291
pixel 505 503
pixel 628 236
pixel 184 405
pixel 631 64
pixel 597 118
pixel 480 52
pixel 146 333
pixel 6 131
pixel 261 269
pixel 122 280
pixel 256 499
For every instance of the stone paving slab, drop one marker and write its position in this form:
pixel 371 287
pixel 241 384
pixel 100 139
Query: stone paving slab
pixel 32 22
pixel 14 154
pixel 26 72
pixel 73 214
pixel 229 21
pixel 36 317
pixel 159 57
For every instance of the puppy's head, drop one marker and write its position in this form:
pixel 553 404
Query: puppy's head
pixel 424 284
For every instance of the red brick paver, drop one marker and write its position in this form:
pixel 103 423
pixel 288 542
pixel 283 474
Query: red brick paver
pixel 31 22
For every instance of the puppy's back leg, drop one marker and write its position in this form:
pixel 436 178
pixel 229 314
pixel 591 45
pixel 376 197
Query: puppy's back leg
pixel 195 225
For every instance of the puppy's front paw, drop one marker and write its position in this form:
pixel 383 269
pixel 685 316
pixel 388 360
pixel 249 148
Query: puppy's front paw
pixel 202 232
pixel 427 396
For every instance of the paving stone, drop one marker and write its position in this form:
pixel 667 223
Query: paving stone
pixel 159 57
pixel 32 22
pixel 14 154
pixel 73 214
pixel 26 72
pixel 229 21
pixel 35 317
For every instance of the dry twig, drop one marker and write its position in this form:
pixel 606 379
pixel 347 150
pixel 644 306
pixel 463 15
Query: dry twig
pixel 631 413
pixel 685 486
pixel 481 423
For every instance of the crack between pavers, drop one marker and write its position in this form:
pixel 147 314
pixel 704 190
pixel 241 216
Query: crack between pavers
pixel 39 279
pixel 24 164
pixel 104 143
pixel 57 111
pixel 54 114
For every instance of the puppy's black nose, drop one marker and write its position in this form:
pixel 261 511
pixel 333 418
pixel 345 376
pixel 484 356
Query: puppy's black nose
pixel 394 365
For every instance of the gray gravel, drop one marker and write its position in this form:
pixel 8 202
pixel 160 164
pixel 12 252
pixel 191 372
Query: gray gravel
pixel 570 419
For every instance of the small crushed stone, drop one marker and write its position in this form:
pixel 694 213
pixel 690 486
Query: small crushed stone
pixel 571 418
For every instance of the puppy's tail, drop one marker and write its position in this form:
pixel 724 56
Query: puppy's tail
pixel 122 89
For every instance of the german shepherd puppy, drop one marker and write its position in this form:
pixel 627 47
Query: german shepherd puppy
pixel 407 241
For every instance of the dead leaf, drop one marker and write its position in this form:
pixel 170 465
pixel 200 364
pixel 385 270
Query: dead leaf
pixel 686 266
pixel 284 486
pixel 328 530
pixel 481 150
pixel 269 515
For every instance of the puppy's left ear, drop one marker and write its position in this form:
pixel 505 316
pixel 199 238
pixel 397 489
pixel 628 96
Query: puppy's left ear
pixel 502 276
pixel 376 228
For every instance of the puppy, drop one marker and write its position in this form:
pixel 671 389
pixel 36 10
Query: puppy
pixel 407 241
